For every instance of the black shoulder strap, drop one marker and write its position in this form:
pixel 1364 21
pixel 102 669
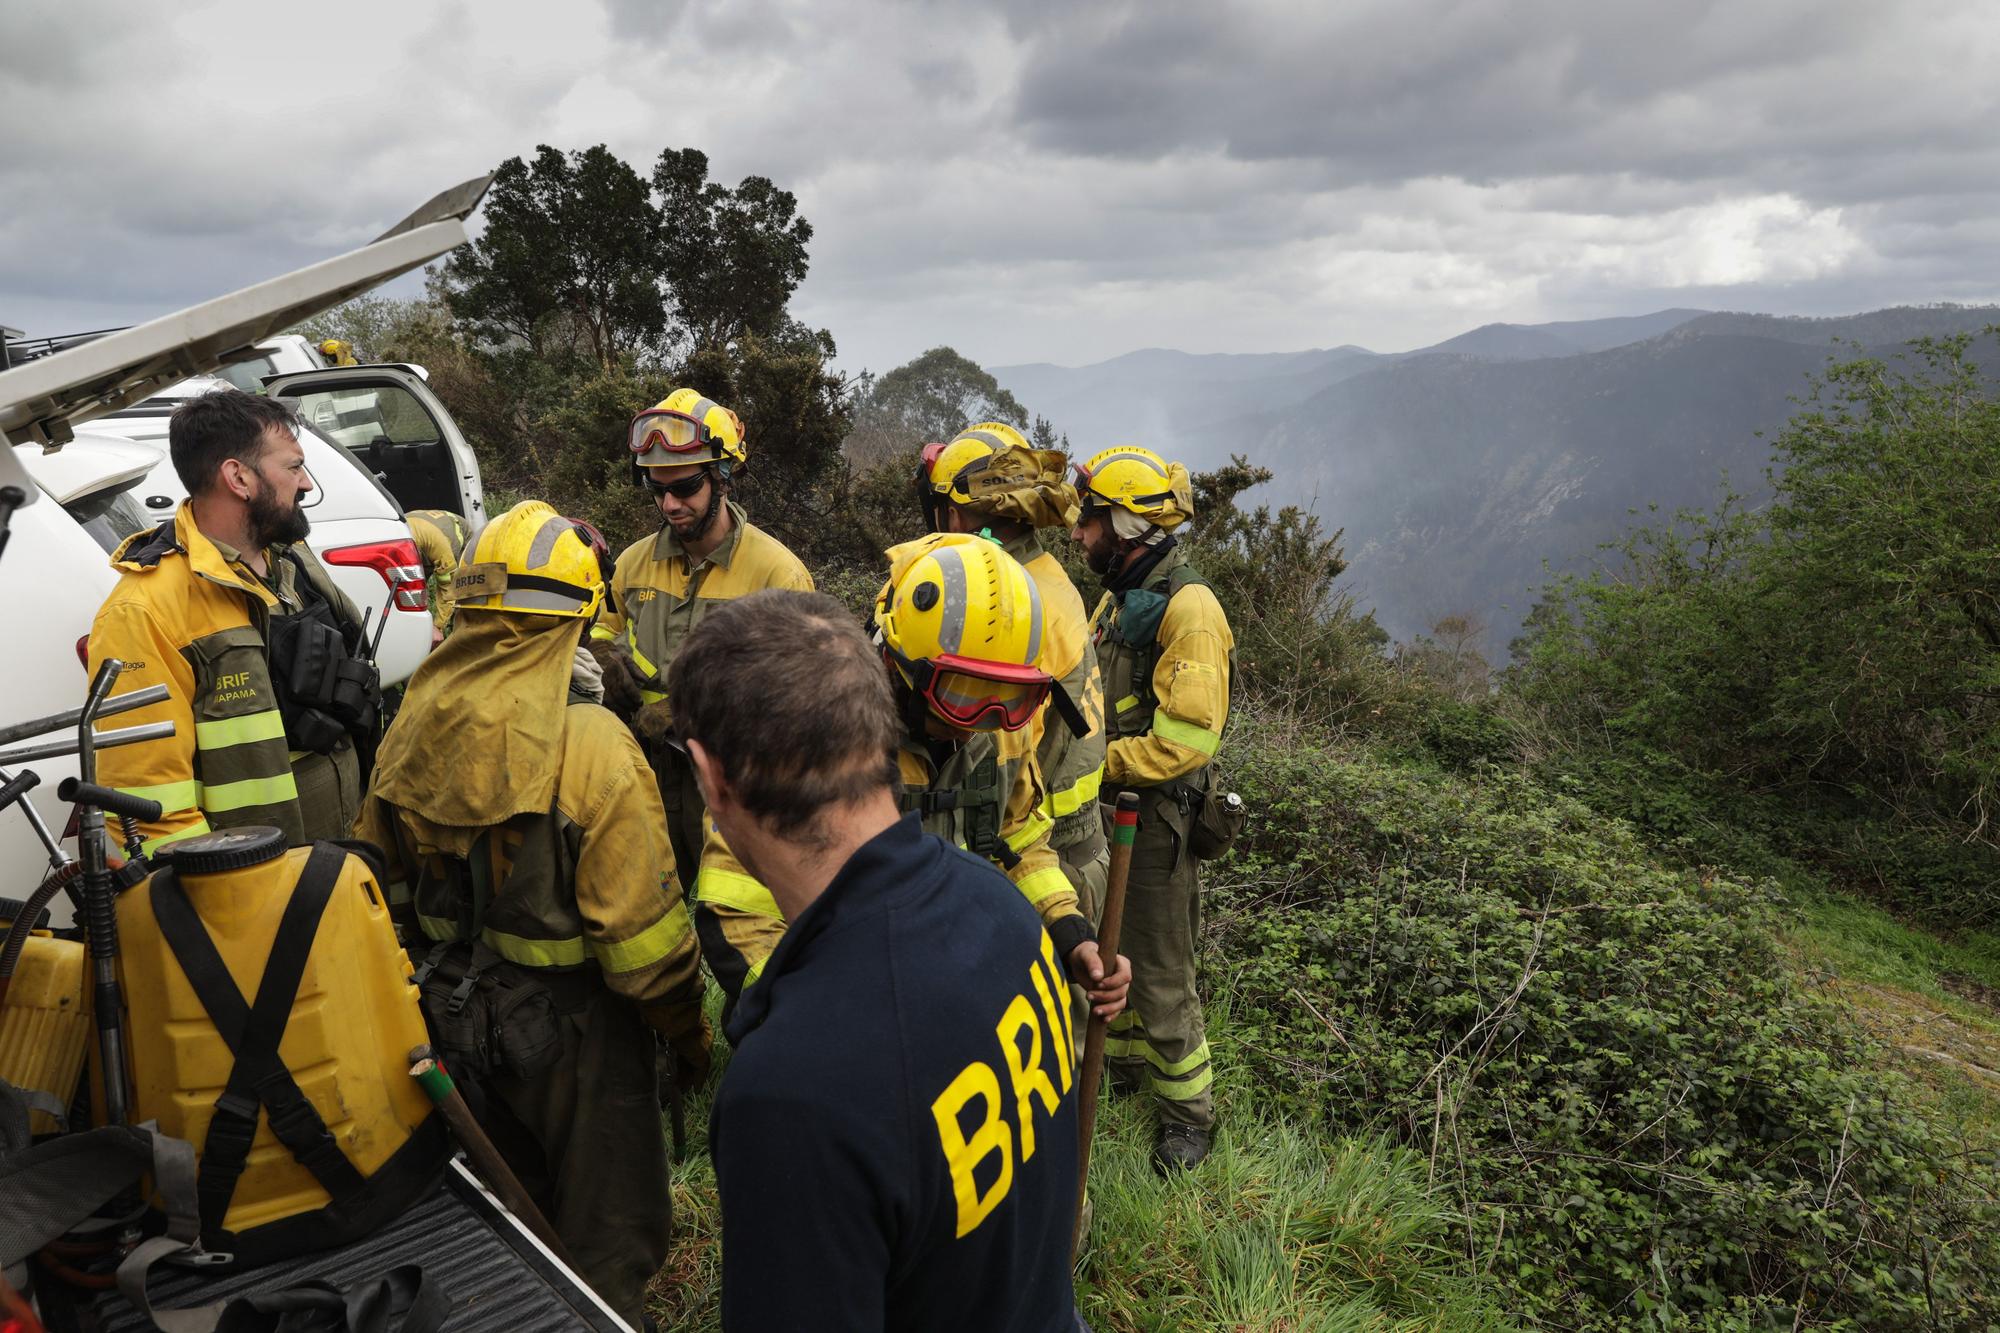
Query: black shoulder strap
pixel 1180 576
pixel 252 1033
pixel 985 805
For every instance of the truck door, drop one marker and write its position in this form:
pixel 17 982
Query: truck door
pixel 387 417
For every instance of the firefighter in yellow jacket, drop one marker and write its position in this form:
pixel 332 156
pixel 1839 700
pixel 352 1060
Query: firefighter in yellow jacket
pixel 1166 652
pixel 527 848
pixel 687 451
pixel 960 626
pixel 214 604
pixel 988 480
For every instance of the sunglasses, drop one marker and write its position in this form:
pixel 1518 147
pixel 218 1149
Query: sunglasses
pixel 684 489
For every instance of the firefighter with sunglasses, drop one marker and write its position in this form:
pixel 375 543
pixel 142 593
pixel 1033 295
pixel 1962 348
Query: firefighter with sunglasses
pixel 687 451
pixel 960 627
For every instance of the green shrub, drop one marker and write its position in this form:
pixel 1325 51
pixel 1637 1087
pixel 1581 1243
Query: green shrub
pixel 1838 650
pixel 1461 735
pixel 1602 1061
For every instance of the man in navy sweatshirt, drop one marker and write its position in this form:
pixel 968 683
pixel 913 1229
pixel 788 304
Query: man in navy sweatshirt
pixel 895 1138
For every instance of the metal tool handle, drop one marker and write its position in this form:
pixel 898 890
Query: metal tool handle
pixel 67 720
pixel 1124 828
pixel 103 740
pixel 18 787
pixel 78 792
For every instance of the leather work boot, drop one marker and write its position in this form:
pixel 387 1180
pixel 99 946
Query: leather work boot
pixel 1179 1148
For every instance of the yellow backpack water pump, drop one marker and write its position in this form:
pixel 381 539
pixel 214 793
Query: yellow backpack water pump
pixel 271 1020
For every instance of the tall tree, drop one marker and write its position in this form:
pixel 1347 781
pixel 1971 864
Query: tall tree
pixel 932 398
pixel 731 257
pixel 572 252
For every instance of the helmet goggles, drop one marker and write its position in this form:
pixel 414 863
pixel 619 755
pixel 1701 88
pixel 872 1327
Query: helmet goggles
pixel 670 432
pixel 976 695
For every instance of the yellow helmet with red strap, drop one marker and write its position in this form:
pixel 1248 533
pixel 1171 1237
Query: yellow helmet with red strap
pixel 960 622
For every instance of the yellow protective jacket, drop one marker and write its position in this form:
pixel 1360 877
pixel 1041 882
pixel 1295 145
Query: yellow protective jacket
pixel 660 597
pixel 188 614
pixel 1072 766
pixel 985 796
pixel 513 815
pixel 440 537
pixel 1167 656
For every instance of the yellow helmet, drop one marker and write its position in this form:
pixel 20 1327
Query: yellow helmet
pixel 337 351
pixel 530 559
pixel 961 623
pixel 1139 481
pixel 991 469
pixel 684 428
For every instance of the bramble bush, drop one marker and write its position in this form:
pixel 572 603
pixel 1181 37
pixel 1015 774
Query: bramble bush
pixel 1604 1063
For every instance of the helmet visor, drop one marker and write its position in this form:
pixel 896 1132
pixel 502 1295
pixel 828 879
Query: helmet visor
pixel 671 432
pixel 984 696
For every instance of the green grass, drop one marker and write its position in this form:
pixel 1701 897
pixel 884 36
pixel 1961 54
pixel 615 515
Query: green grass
pixel 1864 943
pixel 1281 1229
pixel 1934 1002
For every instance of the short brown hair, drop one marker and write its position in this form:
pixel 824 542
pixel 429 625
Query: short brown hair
pixel 793 702
pixel 208 429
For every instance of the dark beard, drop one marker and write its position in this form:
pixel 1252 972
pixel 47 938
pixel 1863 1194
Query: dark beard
pixel 273 523
pixel 1100 559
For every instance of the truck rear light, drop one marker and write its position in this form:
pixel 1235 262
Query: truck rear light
pixel 398 564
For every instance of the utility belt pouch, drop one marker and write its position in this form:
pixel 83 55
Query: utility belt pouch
pixel 487 1016
pixel 1218 817
pixel 325 693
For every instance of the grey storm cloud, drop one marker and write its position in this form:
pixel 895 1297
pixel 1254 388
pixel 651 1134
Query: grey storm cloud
pixel 1044 181
pixel 1790 93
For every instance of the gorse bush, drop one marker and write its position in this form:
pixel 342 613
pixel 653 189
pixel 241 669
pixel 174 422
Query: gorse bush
pixel 1602 1061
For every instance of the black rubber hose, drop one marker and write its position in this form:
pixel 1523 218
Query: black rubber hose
pixel 24 924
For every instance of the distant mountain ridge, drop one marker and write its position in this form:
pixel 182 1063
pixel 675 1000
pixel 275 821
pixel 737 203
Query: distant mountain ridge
pixel 1456 470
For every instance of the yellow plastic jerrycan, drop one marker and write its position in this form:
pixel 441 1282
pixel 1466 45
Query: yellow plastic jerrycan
pixel 310 1132
pixel 45 1023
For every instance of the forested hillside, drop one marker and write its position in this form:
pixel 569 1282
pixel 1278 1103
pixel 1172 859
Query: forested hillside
pixel 1456 471
pixel 1650 986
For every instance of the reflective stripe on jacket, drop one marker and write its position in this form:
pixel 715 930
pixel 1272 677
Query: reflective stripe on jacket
pixel 1169 724
pixel 660 598
pixel 740 921
pixel 589 882
pixel 189 615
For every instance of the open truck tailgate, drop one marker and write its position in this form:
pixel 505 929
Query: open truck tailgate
pixel 494 1272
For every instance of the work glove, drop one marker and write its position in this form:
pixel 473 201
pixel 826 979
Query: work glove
pixel 685 1029
pixel 621 676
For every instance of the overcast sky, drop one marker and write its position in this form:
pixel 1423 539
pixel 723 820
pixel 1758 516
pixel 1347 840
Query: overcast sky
pixel 1043 181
